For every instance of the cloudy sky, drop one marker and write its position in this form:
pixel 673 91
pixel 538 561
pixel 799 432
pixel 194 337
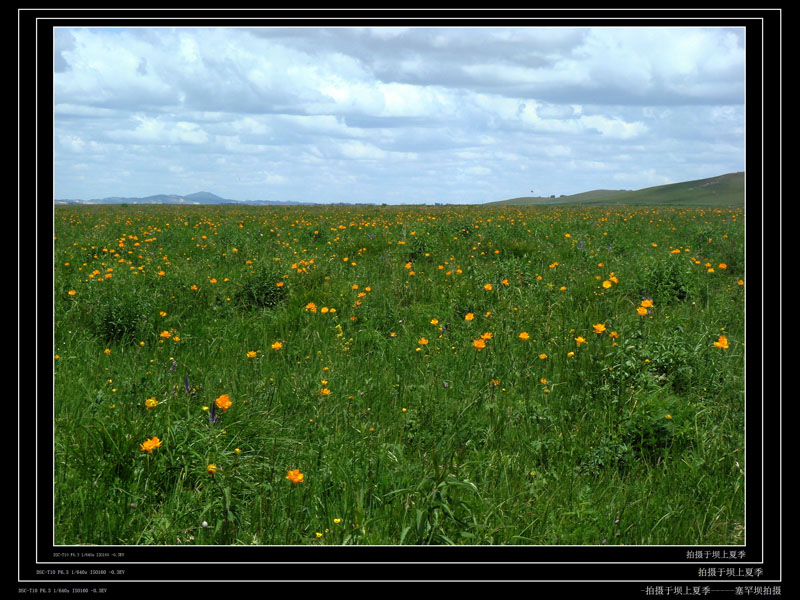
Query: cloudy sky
pixel 452 115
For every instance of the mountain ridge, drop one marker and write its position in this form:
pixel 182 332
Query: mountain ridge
pixel 722 190
pixel 195 198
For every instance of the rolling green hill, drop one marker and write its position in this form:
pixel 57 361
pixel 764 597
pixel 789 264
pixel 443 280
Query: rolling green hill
pixel 723 190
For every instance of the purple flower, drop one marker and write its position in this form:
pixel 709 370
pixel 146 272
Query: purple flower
pixel 186 383
pixel 213 415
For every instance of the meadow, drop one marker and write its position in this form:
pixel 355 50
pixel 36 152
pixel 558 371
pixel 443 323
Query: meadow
pixel 387 375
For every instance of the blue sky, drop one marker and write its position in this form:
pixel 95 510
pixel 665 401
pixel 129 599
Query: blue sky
pixel 394 115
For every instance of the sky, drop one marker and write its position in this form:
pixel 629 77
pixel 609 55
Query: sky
pixel 393 115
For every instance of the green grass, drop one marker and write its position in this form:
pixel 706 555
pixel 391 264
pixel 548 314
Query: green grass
pixel 635 438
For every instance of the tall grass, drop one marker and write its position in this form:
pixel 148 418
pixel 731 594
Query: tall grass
pixel 339 335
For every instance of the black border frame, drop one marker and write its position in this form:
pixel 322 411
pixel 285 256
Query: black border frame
pixel 637 570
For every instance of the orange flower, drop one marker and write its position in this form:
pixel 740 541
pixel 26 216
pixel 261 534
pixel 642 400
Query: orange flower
pixel 486 336
pixel 580 340
pixel 524 335
pixel 295 476
pixel 422 341
pixel 150 403
pixel 641 310
pixel 150 445
pixel 488 287
pixel 277 346
pixel 479 344
pixel 224 402
pixel 599 327
pixel 469 317
pixel 722 342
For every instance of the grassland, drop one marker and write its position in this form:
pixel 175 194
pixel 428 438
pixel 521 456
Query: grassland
pixel 723 191
pixel 398 375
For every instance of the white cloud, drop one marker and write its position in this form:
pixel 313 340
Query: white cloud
pixel 272 179
pixel 613 127
pixel 155 130
pixel 511 108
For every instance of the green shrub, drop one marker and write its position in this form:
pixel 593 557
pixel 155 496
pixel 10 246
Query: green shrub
pixel 610 453
pixel 657 427
pixel 259 289
pixel 120 315
pixel 665 280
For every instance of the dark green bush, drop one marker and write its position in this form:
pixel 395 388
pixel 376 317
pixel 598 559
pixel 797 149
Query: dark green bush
pixel 658 427
pixel 259 289
pixel 665 280
pixel 610 453
pixel 120 315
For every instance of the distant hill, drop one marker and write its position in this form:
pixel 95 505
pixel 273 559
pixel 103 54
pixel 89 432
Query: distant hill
pixel 205 198
pixel 723 190
pixel 196 198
